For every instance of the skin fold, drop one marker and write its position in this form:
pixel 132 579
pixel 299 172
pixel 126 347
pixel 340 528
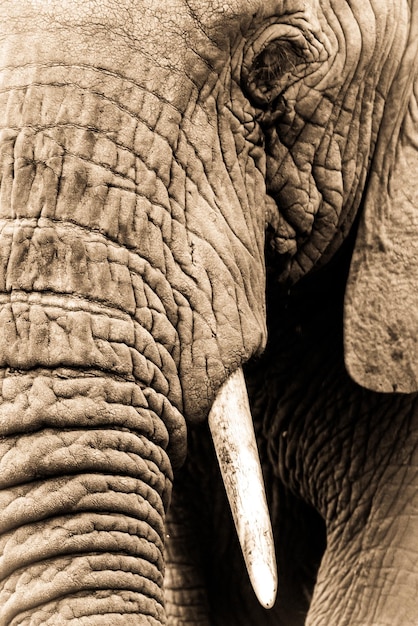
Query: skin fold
pixel 188 188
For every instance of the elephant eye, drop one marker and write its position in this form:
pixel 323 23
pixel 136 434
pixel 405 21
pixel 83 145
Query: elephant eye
pixel 271 59
pixel 274 62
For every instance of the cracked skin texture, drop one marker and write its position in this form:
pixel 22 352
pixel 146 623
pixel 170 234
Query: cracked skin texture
pixel 151 153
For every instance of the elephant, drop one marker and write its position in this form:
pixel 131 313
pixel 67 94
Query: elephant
pixel 195 194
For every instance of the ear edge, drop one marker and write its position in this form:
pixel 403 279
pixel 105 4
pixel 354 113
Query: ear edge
pixel 381 302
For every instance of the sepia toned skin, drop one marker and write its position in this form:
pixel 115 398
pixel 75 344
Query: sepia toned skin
pixel 180 188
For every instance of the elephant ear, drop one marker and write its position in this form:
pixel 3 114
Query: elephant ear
pixel 381 302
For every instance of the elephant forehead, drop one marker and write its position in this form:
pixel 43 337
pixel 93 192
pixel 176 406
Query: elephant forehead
pixel 162 31
pixel 142 17
pixel 206 12
pixel 155 22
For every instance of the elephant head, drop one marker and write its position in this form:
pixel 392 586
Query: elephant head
pixel 152 155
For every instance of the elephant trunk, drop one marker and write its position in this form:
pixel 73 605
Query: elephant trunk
pixel 90 419
pixel 85 483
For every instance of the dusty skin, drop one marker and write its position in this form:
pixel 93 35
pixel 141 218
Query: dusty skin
pixel 189 188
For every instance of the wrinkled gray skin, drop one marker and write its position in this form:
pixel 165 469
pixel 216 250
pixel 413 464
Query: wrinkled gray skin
pixel 164 166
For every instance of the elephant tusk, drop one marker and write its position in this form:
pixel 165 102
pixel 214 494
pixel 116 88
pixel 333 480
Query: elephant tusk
pixel 232 430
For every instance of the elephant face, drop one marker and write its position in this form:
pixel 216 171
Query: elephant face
pixel 158 159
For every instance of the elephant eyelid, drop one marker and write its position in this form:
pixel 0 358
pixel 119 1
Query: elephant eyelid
pixel 275 60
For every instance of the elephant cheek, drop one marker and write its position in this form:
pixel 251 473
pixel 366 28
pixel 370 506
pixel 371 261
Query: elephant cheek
pixel 85 483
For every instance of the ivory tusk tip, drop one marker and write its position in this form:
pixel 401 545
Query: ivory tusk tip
pixel 263 577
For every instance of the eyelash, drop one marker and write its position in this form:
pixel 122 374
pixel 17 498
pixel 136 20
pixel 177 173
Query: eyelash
pixel 264 77
pixel 277 58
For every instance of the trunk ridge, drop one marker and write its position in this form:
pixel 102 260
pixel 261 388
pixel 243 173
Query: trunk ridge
pixel 85 482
